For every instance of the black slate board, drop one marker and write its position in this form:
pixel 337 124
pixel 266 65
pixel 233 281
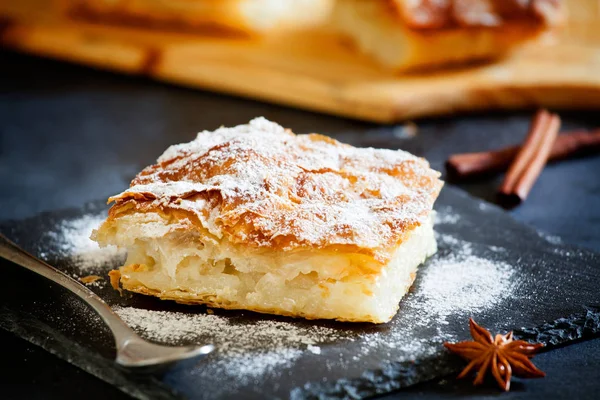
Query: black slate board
pixel 555 299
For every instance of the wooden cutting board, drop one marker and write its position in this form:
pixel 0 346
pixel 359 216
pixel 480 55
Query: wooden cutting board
pixel 316 71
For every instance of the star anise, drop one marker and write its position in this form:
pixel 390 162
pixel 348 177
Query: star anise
pixel 502 355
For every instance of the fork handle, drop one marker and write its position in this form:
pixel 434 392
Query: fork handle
pixel 14 253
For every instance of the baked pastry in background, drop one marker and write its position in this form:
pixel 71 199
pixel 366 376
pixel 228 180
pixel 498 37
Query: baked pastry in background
pixel 255 217
pixel 242 16
pixel 405 34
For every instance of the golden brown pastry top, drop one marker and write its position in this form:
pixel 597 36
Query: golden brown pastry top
pixel 439 14
pixel 263 186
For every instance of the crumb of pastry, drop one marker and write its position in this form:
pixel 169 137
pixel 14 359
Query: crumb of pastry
pixel 115 278
pixel 88 280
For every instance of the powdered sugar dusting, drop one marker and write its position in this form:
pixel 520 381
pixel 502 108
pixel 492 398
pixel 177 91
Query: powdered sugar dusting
pixel 446 216
pixel 273 188
pixel 245 349
pixel 553 239
pixel 314 349
pixel 463 283
pixel 72 240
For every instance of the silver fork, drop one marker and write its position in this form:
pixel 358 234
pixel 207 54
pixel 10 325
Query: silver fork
pixel 132 350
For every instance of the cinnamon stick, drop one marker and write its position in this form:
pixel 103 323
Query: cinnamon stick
pixel 530 160
pixel 567 145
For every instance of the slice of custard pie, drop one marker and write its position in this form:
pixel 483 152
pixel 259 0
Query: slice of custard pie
pixel 257 218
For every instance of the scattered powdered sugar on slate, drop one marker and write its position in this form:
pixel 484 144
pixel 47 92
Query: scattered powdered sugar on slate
pixel 497 249
pixel 245 350
pixel 72 240
pixel 553 239
pixel 463 284
pixel 446 240
pixel 446 215
pixel 460 282
pixel 314 349
pixel 173 327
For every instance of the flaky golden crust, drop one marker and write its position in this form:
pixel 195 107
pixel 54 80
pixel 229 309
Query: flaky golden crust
pixel 262 186
pixel 435 14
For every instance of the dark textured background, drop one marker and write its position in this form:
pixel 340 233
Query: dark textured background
pixel 69 135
